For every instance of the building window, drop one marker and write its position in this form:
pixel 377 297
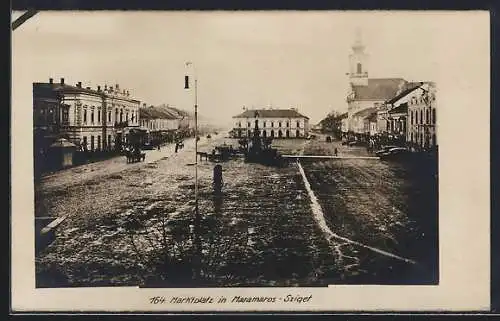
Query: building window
pixel 239 124
pixel 109 116
pixel 298 124
pixel 421 116
pixel 65 114
pixel 358 68
pixel 92 116
pixel 287 124
pixel 121 116
pixel 98 142
pixel 272 125
pixel 248 125
pixel 84 143
pixel 279 125
pixel 116 115
pixel 126 118
pixel 92 143
pixel 99 116
pixel 85 116
pixel 264 124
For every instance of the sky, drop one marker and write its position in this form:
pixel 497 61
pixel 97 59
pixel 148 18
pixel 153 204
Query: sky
pixel 253 59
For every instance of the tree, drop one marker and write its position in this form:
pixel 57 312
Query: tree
pixel 332 123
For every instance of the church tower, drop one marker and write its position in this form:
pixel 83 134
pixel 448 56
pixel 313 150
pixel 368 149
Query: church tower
pixel 358 60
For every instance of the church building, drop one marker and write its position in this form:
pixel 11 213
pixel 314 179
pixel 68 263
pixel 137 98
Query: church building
pixel 367 93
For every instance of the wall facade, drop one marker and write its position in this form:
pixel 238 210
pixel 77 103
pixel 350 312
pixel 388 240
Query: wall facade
pixel 421 120
pixel 273 127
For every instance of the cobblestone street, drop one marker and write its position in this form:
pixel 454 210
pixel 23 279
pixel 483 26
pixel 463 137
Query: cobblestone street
pixel 129 224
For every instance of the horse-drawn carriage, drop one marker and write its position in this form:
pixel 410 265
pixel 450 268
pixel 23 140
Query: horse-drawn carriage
pixel 220 153
pixel 134 156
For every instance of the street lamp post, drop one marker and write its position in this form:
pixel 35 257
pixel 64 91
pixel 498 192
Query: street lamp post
pixel 197 240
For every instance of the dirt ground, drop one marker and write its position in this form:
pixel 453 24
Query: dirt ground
pixel 132 226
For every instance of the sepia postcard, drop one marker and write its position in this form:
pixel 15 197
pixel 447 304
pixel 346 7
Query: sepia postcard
pixel 250 161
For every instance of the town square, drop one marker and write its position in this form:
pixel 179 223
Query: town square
pixel 215 173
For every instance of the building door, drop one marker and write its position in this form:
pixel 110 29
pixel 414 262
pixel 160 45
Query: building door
pixel 98 142
pixel 272 132
pixel 280 133
pixel 297 133
pixel 118 141
pixel 84 143
pixel 92 143
pixel 287 133
pixel 264 133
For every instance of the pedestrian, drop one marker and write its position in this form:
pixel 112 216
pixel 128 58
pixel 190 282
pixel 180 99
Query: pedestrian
pixel 158 146
pixel 336 151
pixel 176 147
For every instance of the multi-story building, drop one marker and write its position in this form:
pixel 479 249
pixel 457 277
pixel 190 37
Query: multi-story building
pixel 93 119
pixel 122 113
pixel 276 123
pixel 421 120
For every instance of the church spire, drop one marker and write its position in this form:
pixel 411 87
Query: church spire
pixel 358 71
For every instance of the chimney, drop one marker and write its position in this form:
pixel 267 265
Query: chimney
pixel 79 85
pixel 98 88
pixel 62 81
pixel 105 87
pixel 117 87
pixel 51 81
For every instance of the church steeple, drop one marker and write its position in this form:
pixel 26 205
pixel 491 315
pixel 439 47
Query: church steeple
pixel 358 71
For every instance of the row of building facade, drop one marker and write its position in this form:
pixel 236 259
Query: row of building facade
pixel 101 119
pixel 392 109
pixel 275 123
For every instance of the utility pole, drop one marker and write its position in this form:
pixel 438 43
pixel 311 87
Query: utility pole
pixel 197 218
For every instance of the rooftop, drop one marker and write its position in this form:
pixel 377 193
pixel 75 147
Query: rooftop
pixel 159 112
pixel 379 89
pixel 366 112
pixel 401 109
pixel 271 113
pixel 410 87
pixel 51 89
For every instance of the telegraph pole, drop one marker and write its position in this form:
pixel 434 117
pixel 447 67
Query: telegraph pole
pixel 197 219
pixel 196 143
